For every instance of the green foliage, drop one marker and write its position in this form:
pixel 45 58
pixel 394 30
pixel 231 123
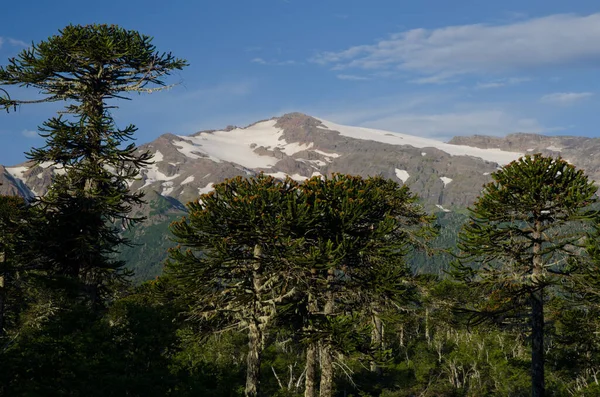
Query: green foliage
pixel 89 201
pixel 527 234
pixel 266 268
pixel 537 209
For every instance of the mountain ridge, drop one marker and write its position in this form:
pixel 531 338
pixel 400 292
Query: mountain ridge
pixel 186 166
pixel 445 175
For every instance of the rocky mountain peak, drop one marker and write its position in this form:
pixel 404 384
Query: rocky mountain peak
pixel 444 175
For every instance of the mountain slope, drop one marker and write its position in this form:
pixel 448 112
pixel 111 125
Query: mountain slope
pixel 447 176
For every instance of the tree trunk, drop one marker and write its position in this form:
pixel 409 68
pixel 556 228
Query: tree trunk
pixel 256 330
pixel 537 344
pixel 376 340
pixel 253 360
pixel 310 383
pixel 537 317
pixel 326 386
pixel 2 292
pixel 402 335
pixel 427 335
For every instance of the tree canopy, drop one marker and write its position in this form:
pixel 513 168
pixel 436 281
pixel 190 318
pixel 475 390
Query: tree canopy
pixel 526 236
pixel 89 200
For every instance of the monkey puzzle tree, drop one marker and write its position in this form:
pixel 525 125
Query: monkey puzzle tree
pixel 526 238
pixel 89 200
pixel 13 221
pixel 238 264
pixel 361 229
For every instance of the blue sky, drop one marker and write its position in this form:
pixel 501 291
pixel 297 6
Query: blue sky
pixel 434 68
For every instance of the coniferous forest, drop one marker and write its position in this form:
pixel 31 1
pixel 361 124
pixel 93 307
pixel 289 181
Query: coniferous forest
pixel 276 287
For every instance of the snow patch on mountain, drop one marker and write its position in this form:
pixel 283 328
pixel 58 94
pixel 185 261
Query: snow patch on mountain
pixel 167 188
pixel 394 138
pixel 240 145
pixel 206 189
pixel 17 172
pixel 188 180
pixel 283 175
pixel 153 174
pixel 334 155
pixel 402 175
pixel 445 180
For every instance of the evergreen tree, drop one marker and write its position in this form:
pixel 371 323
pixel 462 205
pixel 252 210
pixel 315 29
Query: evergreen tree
pixel 238 263
pixel 89 201
pixel 360 231
pixel 14 216
pixel 525 239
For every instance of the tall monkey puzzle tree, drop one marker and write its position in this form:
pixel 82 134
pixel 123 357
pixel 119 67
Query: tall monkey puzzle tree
pixel 526 237
pixel 89 200
pixel 361 229
pixel 239 261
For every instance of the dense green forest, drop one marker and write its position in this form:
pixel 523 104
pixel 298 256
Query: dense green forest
pixel 336 286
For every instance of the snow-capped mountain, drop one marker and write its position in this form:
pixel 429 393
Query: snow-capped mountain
pixel 444 175
pixel 447 176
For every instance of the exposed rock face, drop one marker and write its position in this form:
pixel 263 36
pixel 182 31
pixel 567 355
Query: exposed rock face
pixel 445 176
pixel 582 152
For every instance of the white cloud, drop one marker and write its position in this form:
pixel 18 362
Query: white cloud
pixel 438 115
pixel 29 134
pixel 352 77
pixel 12 42
pixel 448 124
pixel 565 98
pixel 555 40
pixel 502 82
pixel 273 62
pixel 440 78
pixel 17 43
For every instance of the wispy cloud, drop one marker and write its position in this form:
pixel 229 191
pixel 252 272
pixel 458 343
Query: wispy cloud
pixel 440 78
pixel 29 134
pixel 273 62
pixel 502 82
pixel 12 42
pixel 352 77
pixel 439 115
pixel 556 40
pixel 565 98
pixel 17 43
pixel 445 125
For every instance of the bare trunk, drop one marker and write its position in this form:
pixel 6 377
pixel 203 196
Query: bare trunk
pixel 255 332
pixel 376 340
pixel 326 386
pixel 402 335
pixel 310 383
pixel 537 344
pixel 427 335
pixel 253 360
pixel 537 318
pixel 2 293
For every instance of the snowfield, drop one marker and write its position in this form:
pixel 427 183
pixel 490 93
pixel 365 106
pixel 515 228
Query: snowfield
pixel 394 138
